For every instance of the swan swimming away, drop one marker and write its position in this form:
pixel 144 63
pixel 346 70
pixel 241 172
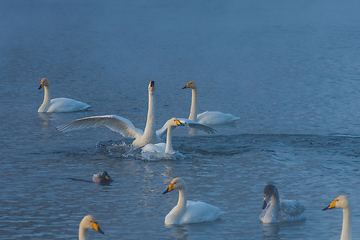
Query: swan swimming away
pixel 208 117
pixel 58 104
pixel 276 210
pixel 125 127
pixel 102 178
pixel 188 211
pixel 88 222
pixel 344 203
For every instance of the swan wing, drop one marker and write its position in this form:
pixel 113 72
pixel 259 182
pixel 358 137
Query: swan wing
pixel 162 131
pixel 215 118
pixel 113 122
pixel 66 105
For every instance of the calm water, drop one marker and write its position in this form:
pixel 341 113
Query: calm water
pixel 289 69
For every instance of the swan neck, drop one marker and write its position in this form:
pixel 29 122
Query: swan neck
pixel 47 95
pixel 346 227
pixel 150 122
pixel 182 199
pixel 83 232
pixel 169 148
pixel 193 109
pixel 275 201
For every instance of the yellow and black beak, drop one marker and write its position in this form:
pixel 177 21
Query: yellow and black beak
pixel 169 189
pixel 96 227
pixel 179 123
pixel 152 84
pixel 332 205
pixel 186 86
pixel 41 85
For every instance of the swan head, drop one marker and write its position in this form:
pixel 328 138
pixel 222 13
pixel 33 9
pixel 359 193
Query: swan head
pixel 176 183
pixel 89 222
pixel 44 83
pixel 174 122
pixel 151 86
pixel 339 202
pixel 269 191
pixel 191 85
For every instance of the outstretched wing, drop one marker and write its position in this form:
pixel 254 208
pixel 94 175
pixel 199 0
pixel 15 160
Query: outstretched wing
pixel 113 122
pixel 162 131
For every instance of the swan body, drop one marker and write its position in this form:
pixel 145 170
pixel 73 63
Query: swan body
pixel 58 104
pixel 88 222
pixel 126 128
pixel 276 210
pixel 344 203
pixel 102 178
pixel 188 211
pixel 208 117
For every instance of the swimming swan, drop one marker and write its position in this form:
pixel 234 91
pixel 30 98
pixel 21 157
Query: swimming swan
pixel 102 178
pixel 88 222
pixel 208 117
pixel 125 126
pixel 58 104
pixel 276 210
pixel 344 203
pixel 188 211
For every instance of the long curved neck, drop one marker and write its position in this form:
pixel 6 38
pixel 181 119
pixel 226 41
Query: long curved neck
pixel 83 233
pixel 346 227
pixel 169 149
pixel 193 109
pixel 47 95
pixel 181 205
pixel 150 122
pixel 275 202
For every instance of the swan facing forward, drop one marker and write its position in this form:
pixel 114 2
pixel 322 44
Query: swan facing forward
pixel 208 117
pixel 276 210
pixel 88 222
pixel 344 203
pixel 188 211
pixel 58 104
pixel 164 149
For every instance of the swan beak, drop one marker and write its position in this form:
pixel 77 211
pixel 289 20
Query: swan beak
pixel 179 123
pixel 41 85
pixel 186 86
pixel 152 84
pixel 332 205
pixel 169 189
pixel 264 205
pixel 97 228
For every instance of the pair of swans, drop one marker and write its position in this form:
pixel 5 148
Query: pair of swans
pixel 126 128
pixel 58 104
pixel 186 212
pixel 344 203
pixel 88 222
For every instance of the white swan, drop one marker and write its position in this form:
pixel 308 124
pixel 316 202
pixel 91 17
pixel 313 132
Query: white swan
pixel 344 203
pixel 58 104
pixel 208 117
pixel 278 210
pixel 188 211
pixel 125 126
pixel 88 222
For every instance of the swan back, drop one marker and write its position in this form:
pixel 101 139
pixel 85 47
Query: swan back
pixel 344 203
pixel 88 222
